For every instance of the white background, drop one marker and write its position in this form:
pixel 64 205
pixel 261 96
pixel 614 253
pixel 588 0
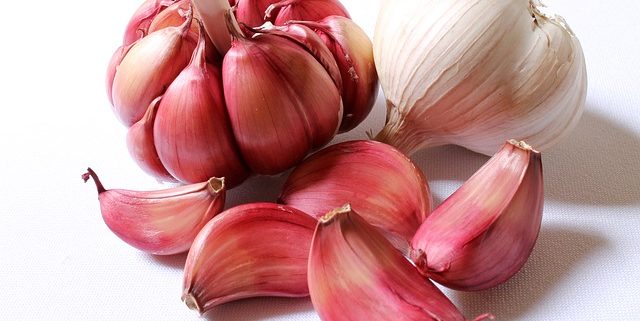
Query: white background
pixel 59 261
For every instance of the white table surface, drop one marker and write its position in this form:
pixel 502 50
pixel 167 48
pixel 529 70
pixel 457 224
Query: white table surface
pixel 58 261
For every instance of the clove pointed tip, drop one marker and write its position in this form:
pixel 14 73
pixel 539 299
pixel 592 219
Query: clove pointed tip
pixel 191 302
pixel 522 145
pixel 331 216
pixel 216 185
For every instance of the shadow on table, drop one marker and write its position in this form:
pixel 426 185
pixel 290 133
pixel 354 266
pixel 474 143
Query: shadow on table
pixel 259 309
pixel 597 164
pixel 172 261
pixel 557 254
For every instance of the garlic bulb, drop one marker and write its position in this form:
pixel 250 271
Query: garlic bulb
pixel 476 73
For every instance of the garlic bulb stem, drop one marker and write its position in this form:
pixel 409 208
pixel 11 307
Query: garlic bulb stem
pixel 212 13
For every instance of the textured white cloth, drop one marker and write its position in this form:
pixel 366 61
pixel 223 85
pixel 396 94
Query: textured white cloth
pixel 58 261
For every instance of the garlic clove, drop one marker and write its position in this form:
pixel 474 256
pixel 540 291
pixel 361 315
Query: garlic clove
pixel 248 251
pixel 251 12
pixel 115 61
pixel 281 101
pixel 307 38
pixel 355 274
pixel 309 10
pixel 161 222
pixel 148 68
pixel 382 184
pixel 191 132
pixel 484 233
pixel 142 148
pixel 353 51
pixel 138 25
pixel 475 74
pixel 173 16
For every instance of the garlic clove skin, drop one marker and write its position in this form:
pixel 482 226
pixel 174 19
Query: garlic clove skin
pixel 353 51
pixel 161 222
pixel 355 274
pixel 138 25
pixel 475 74
pixel 251 250
pixel 191 132
pixel 112 68
pixel 251 12
pixel 281 101
pixel 307 38
pixel 142 148
pixel 484 233
pixel 174 15
pixel 148 69
pixel 309 10
pixel 382 184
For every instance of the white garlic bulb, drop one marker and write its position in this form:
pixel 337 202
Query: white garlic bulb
pixel 476 73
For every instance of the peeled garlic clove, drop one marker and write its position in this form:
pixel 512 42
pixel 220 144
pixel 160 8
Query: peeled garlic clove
pixel 355 274
pixel 138 25
pixel 142 148
pixel 475 74
pixel 281 101
pixel 191 133
pixel 309 10
pixel 160 222
pixel 353 52
pixel 249 251
pixel 147 70
pixel 307 38
pixel 484 233
pixel 382 184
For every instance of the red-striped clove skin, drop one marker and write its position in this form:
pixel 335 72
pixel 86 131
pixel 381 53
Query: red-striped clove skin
pixel 191 133
pixel 163 222
pixel 138 26
pixel 484 233
pixel 251 12
pixel 281 101
pixel 146 70
pixel 312 42
pixel 140 143
pixel 310 10
pixel 355 274
pixel 252 250
pixel 382 184
pixel 353 52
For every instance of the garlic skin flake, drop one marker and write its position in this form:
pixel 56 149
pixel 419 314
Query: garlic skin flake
pixel 476 73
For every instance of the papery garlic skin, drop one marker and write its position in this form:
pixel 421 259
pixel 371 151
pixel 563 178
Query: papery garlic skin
pixel 161 222
pixel 355 274
pixel 251 250
pixel 484 233
pixel 191 132
pixel 476 73
pixel 148 68
pixel 382 184
pixel 281 101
